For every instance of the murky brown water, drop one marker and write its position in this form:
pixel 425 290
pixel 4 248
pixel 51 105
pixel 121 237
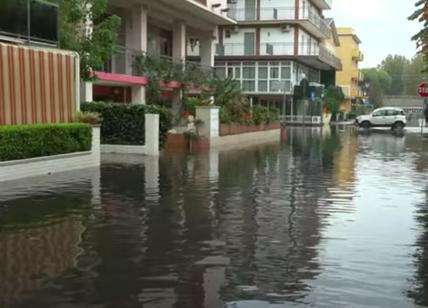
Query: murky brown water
pixel 322 220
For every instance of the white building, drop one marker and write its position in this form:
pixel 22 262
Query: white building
pixel 156 27
pixel 274 44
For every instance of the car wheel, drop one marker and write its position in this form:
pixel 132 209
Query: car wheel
pixel 398 126
pixel 366 125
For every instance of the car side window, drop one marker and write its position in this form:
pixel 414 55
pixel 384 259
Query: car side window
pixel 379 113
pixel 393 113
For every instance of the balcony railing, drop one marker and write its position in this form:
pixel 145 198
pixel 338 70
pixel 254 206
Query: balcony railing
pixel 279 13
pixel 284 49
pixel 137 63
pixel 236 49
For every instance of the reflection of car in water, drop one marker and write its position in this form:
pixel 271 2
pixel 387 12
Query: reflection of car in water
pixel 383 117
pixel 385 143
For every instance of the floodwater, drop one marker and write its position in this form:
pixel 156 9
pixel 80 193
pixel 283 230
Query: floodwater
pixel 324 219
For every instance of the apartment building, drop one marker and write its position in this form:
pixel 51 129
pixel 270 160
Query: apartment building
pixel 160 28
pixel 275 44
pixel 350 77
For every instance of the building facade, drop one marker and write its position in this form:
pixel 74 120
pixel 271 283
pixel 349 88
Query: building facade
pixel 275 44
pixel 350 77
pixel 160 28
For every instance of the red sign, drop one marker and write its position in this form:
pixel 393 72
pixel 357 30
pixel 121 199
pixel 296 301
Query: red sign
pixel 423 89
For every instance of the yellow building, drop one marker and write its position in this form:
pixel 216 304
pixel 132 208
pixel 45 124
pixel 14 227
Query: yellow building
pixel 350 76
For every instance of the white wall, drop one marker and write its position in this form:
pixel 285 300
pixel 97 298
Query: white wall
pixel 308 45
pixel 283 42
pixel 235 44
pixel 285 9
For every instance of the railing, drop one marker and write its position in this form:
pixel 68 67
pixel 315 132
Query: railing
pixel 137 63
pixel 199 72
pixel 277 49
pixel 279 13
pixel 284 49
pixel 301 119
pixel 315 19
pixel 327 56
pixel 121 62
pixel 237 49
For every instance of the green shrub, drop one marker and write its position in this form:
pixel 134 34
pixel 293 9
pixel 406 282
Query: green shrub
pixel 28 141
pixel 124 124
pixel 257 116
pixel 92 118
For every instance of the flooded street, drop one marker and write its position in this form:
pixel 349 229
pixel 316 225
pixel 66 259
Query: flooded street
pixel 324 219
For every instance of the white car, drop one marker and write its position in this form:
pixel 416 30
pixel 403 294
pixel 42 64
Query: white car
pixel 383 117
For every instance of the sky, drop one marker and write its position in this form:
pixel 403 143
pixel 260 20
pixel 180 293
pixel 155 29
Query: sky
pixel 381 25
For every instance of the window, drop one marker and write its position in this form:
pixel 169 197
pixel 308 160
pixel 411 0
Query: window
pixel 228 33
pixel 392 112
pixel 379 113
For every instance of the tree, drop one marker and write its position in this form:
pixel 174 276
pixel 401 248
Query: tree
pixel 95 44
pixel 421 38
pixel 395 67
pixel 414 75
pixel 378 82
pixel 333 99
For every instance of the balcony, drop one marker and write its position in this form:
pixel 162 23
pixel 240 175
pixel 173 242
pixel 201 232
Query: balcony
pixel 323 4
pixel 235 49
pixel 357 55
pixel 128 65
pixel 314 55
pixel 355 74
pixel 310 20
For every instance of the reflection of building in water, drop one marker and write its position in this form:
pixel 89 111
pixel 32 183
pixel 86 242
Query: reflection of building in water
pixel 269 216
pixel 346 158
pixel 29 257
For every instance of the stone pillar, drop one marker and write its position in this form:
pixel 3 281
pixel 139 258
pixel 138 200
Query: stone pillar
pixel 96 147
pixel 179 42
pixel 136 42
pixel 207 52
pixel 151 178
pixel 179 57
pixel 86 92
pixel 210 117
pixel 152 134
pixel 138 95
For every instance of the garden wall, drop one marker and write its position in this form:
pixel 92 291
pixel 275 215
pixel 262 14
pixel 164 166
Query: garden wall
pixel 50 165
pixel 37 85
pixel 236 129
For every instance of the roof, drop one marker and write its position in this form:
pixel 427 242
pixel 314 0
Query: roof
pixel 346 31
pixel 332 25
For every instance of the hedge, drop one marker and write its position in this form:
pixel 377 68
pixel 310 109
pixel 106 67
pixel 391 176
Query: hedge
pixel 124 124
pixel 29 141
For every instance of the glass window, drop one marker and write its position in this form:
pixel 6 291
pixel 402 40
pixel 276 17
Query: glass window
pixel 263 72
pixel 276 86
pixel 379 113
pixel 249 72
pixel 274 72
pixel 220 72
pixel 392 112
pixel 230 72
pixel 263 86
pixel 237 73
pixel 285 73
pixel 249 85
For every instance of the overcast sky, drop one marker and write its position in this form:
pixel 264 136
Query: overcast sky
pixel 382 26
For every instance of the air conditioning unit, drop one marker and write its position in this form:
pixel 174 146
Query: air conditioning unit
pixel 235 30
pixel 286 28
pixel 269 49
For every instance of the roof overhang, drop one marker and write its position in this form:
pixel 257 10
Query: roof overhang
pixel 189 11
